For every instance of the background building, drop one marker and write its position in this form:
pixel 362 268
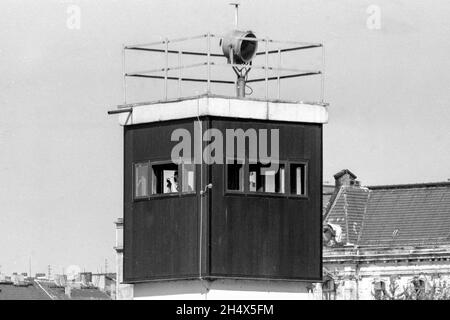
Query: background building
pixel 381 238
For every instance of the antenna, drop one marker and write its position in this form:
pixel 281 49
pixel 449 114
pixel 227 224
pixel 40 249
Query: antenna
pixel 236 13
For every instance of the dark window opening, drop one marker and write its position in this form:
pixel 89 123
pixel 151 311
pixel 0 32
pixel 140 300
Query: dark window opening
pixel 235 176
pixel 165 178
pixel 419 286
pixel 141 184
pixel 380 290
pixel 263 178
pixel 298 179
pixel 328 288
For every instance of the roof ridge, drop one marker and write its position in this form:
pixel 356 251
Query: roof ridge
pixel 411 185
pixel 332 202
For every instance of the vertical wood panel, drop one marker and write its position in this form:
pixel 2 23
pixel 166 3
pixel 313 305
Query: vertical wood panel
pixel 161 234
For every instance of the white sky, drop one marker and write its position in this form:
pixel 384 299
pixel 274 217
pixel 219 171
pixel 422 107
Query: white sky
pixel 61 163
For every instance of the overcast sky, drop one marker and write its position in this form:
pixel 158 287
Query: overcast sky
pixel 61 155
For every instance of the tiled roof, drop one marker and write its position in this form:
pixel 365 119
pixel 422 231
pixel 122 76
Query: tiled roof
pixel 32 292
pixel 327 193
pixel 397 215
pixel 46 290
pixel 58 293
pixel 348 212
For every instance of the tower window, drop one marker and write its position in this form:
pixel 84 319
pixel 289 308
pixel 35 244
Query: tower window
pixel 165 179
pixel 235 176
pixel 141 184
pixel 298 179
pixel 263 178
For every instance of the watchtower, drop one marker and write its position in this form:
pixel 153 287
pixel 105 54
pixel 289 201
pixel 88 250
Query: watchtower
pixel 222 171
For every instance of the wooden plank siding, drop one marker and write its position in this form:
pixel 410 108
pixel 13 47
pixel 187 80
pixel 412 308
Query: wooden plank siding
pixel 276 237
pixel 243 235
pixel 160 235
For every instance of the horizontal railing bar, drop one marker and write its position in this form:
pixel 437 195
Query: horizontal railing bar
pixel 164 41
pixel 305 45
pixel 177 78
pixel 274 41
pixel 262 67
pixel 172 68
pixel 289 49
pixel 285 77
pixel 194 53
pixel 223 81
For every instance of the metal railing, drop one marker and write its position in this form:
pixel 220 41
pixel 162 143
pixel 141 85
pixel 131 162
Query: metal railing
pixel 162 73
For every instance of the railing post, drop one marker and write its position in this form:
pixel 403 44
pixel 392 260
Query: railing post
pixel 179 73
pixel 266 67
pixel 208 83
pixel 322 76
pixel 167 67
pixel 278 71
pixel 124 84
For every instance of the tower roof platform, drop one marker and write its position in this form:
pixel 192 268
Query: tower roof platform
pixel 222 106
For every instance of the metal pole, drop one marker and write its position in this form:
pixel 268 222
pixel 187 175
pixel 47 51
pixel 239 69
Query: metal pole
pixel 265 68
pixel 278 79
pixel 322 77
pixel 240 87
pixel 208 84
pixel 232 63
pixel 179 74
pixel 236 13
pixel 167 66
pixel 124 84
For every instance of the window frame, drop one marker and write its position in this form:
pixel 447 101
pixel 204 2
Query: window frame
pixel 287 180
pixel 259 193
pixel 305 163
pixel 152 195
pixel 133 168
pixel 180 170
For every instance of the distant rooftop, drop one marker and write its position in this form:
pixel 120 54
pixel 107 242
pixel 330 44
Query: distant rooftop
pixel 32 292
pixel 47 290
pixel 392 215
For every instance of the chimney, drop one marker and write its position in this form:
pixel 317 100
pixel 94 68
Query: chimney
pixel 345 178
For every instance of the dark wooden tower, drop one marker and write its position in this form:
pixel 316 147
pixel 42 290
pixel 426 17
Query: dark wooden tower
pixel 191 221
